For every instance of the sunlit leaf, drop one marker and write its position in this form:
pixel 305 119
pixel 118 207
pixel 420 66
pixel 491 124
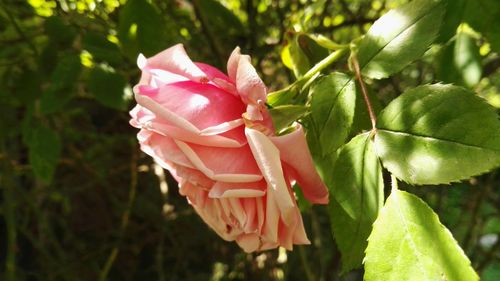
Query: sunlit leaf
pixel 460 62
pixel 283 116
pixel 399 37
pixel 437 134
pixel 357 190
pixel 333 101
pixel 408 242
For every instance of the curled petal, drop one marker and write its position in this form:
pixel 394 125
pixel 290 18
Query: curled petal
pixel 175 60
pixel 163 149
pixel 295 152
pixel 248 83
pixel 268 160
pixel 221 164
pixel 238 190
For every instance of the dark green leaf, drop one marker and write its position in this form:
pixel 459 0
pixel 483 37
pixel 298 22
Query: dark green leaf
pixel 357 189
pixel 482 15
pixel 140 29
pixel 59 32
pixel 333 101
pixel 437 134
pixel 44 151
pixel 408 242
pixel 100 48
pixel 284 115
pixel 28 86
pixel 108 88
pixel 399 37
pixel 453 16
pixel 63 81
pixel 460 62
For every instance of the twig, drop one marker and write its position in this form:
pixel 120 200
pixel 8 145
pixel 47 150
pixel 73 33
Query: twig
pixel 357 72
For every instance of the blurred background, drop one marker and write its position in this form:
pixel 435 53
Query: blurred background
pixel 79 201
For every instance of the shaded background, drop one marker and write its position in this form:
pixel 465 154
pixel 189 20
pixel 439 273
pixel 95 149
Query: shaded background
pixel 79 201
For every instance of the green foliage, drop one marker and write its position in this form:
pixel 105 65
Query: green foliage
pixel 141 29
pixel 333 100
pixel 437 134
pixel 283 116
pixel 108 88
pixel 80 198
pixel 44 152
pixel 399 37
pixel 482 15
pixel 62 83
pixel 460 61
pixel 357 189
pixel 408 242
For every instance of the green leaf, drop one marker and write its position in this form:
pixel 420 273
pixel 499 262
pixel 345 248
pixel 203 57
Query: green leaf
pixel 482 15
pixel 284 115
pixel 409 243
pixel 140 29
pixel 333 101
pixel 399 37
pixel 357 188
pixel 44 152
pixel 63 81
pixel 453 16
pixel 59 32
pixel 100 48
pixel 460 62
pixel 436 134
pixel 299 61
pixel 108 88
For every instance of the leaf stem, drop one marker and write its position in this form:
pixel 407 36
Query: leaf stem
pixel 357 72
pixel 288 93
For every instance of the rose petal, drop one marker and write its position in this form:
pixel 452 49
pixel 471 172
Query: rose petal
pixel 175 60
pixel 201 105
pixel 163 149
pixel 248 242
pixel 240 190
pixel 295 152
pixel 268 160
pixel 232 63
pixel 221 164
pixel 231 138
pixel 248 83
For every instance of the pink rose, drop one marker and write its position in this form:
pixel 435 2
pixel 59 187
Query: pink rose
pixel 213 133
